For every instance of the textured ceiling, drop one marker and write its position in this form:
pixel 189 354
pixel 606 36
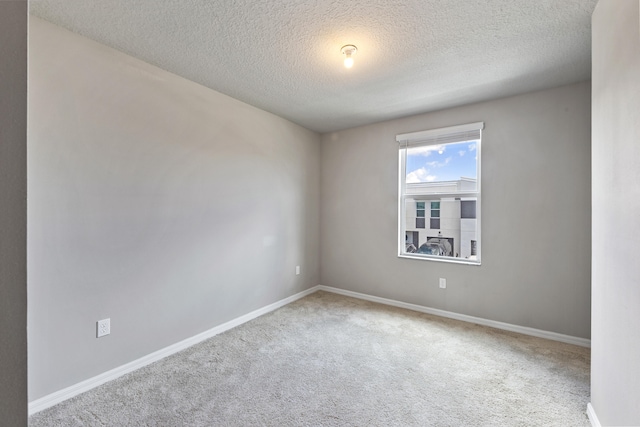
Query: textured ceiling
pixel 284 56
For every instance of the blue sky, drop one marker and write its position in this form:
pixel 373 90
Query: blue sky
pixel 449 162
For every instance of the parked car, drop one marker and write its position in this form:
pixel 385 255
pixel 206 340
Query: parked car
pixel 435 246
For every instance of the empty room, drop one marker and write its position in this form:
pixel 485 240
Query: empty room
pixel 410 213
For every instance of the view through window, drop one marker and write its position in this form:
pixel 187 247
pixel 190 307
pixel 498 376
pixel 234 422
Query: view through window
pixel 439 203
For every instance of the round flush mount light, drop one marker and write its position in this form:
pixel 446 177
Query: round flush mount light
pixel 348 51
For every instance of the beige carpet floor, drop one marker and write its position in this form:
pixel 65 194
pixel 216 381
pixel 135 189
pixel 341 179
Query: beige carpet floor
pixel 329 360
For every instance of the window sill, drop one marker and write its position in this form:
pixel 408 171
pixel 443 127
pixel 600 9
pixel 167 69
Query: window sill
pixel 440 259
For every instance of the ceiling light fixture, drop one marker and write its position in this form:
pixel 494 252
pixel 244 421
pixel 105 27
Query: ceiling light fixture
pixel 348 51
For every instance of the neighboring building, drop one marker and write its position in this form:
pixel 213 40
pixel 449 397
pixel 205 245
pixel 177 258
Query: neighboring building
pixel 449 221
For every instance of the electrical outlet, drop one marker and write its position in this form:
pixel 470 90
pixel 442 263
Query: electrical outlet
pixel 443 283
pixel 103 327
pixel 297 270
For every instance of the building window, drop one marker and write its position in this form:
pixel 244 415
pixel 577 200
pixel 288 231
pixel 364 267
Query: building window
pixel 434 223
pixel 468 209
pixel 440 174
pixel 420 215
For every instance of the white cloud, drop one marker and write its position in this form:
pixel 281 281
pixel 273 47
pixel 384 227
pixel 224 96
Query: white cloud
pixel 461 153
pixel 437 164
pixel 426 150
pixel 420 175
pixel 472 147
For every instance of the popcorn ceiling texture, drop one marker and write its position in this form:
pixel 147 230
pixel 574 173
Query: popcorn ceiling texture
pixel 284 56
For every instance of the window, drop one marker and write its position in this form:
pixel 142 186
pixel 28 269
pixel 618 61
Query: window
pixel 440 175
pixel 435 216
pixel 468 209
pixel 420 215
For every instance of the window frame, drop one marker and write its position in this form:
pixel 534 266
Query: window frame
pixel 448 135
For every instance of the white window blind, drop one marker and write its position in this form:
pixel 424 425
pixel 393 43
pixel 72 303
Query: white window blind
pixel 448 135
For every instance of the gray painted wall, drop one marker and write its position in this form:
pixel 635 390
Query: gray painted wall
pixel 155 202
pixel 536 214
pixel 615 371
pixel 13 213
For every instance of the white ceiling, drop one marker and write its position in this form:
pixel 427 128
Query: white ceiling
pixel 284 56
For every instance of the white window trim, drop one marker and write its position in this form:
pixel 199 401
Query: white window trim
pixel 447 135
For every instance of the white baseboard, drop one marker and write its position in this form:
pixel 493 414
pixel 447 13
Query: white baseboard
pixel 582 342
pixel 86 385
pixel 591 413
